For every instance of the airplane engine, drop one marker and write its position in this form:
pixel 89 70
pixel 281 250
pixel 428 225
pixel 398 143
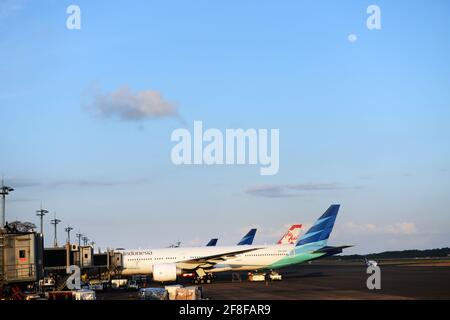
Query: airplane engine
pixel 165 272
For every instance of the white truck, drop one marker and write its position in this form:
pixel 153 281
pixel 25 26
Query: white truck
pixel 256 277
pixel 275 276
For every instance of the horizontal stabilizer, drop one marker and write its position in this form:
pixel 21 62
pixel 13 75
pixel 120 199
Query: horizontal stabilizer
pixel 331 251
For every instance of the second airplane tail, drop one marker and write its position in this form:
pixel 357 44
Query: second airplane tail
pixel 248 238
pixel 292 235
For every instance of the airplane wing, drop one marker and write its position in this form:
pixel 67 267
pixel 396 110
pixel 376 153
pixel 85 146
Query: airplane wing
pixel 209 261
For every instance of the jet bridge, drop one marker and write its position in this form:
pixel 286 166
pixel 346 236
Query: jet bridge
pixel 21 257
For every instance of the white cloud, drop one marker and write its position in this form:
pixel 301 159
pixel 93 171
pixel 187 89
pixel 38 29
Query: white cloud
pixel 291 190
pixel 30 183
pixel 360 228
pixel 7 7
pixel 397 229
pixel 404 228
pixel 127 105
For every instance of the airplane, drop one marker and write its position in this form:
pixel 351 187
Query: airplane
pixel 165 265
pixel 292 235
pixel 246 240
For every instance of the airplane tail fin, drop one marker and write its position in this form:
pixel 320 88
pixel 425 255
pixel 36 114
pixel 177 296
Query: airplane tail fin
pixel 212 243
pixel 292 235
pixel 248 238
pixel 321 230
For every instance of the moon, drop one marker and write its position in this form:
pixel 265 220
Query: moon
pixel 352 38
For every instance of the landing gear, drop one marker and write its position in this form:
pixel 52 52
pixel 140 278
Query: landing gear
pixel 206 279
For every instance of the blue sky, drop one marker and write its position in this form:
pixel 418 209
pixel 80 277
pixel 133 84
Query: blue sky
pixel 367 119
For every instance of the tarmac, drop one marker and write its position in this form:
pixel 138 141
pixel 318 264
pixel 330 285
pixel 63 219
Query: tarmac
pixel 328 281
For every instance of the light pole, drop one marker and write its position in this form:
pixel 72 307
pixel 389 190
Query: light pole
pixel 4 191
pixel 41 213
pixel 55 222
pixel 68 229
pixel 85 241
pixel 79 235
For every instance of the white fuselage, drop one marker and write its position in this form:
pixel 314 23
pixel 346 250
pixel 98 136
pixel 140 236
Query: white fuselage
pixel 141 262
